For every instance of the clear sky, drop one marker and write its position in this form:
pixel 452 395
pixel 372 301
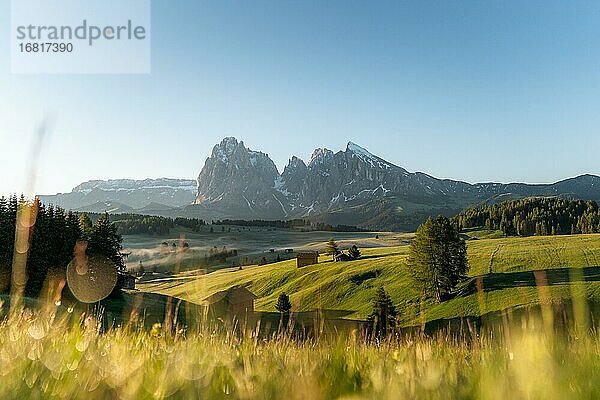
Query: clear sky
pixel 477 91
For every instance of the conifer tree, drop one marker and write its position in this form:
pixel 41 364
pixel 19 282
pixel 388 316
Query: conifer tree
pixel 85 224
pixel 332 248
pixel 382 320
pixel 283 303
pixel 354 252
pixel 105 241
pixel 535 216
pixel 437 258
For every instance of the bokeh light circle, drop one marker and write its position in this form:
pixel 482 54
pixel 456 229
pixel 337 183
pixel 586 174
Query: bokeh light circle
pixel 90 278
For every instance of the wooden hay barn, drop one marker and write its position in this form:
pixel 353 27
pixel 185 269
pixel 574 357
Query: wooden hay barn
pixel 236 302
pixel 307 258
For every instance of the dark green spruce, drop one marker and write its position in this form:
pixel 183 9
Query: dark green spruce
pixel 382 320
pixel 437 258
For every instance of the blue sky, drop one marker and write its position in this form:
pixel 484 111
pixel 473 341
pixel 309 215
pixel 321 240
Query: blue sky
pixel 478 91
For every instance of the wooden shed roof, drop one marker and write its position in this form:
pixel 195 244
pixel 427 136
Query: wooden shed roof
pixel 307 254
pixel 233 295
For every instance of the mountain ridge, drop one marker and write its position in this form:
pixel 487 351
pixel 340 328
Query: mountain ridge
pixel 130 193
pixel 351 186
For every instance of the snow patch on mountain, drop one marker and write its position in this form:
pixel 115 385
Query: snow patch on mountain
pixel 279 185
pixel 281 204
pixel 364 155
pixel 132 185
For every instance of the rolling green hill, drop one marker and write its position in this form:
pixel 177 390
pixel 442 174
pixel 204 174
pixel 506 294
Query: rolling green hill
pixel 351 285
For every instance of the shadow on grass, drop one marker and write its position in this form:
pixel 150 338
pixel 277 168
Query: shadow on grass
pixel 308 323
pixel 543 277
pixel 307 315
pixel 563 318
pixel 363 257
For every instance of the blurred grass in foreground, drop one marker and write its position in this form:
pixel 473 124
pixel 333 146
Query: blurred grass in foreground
pixel 46 356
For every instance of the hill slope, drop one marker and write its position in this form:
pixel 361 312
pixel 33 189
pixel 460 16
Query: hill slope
pixel 352 285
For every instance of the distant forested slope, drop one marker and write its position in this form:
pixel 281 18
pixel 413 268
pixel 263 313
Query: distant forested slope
pixel 137 224
pixel 302 224
pixel 538 216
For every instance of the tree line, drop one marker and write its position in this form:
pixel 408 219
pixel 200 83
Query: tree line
pixel 53 234
pixel 303 224
pixel 137 224
pixel 539 216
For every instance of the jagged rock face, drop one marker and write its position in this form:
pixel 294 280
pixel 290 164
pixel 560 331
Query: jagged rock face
pixel 292 180
pixel 348 187
pixel 350 175
pixel 340 179
pixel 238 181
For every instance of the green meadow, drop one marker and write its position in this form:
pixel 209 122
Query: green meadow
pixel 504 263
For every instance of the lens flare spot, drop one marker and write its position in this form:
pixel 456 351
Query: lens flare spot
pixel 36 330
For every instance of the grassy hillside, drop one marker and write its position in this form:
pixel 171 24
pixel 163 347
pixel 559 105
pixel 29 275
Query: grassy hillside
pixel 526 254
pixel 352 285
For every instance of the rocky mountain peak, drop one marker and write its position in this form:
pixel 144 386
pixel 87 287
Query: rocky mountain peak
pixel 295 163
pixel 351 186
pixel 165 184
pixel 235 176
pixel 292 179
pixel 355 148
pixel 364 155
pixel 320 156
pixel 129 194
pixel 227 148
